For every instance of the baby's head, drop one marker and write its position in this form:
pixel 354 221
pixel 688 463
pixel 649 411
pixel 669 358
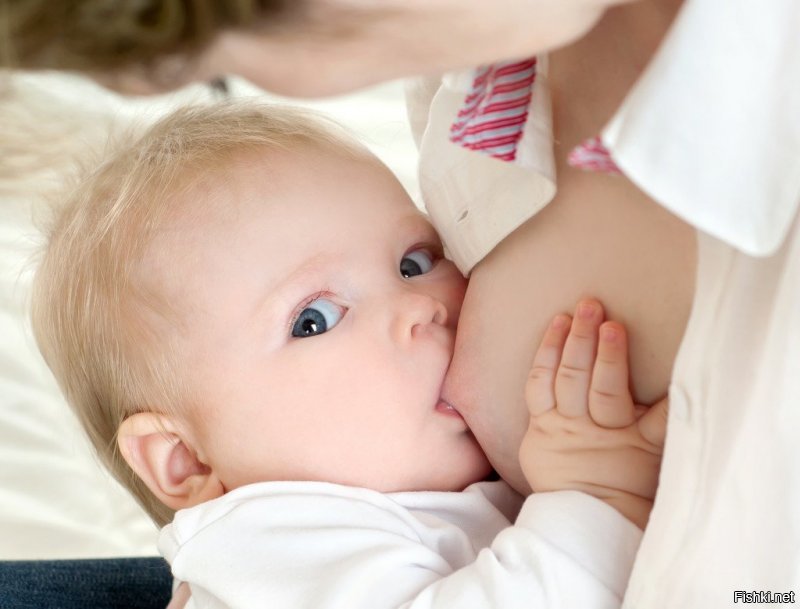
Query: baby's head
pixel 245 294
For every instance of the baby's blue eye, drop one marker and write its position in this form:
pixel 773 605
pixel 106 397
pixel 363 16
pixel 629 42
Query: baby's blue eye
pixel 416 263
pixel 317 318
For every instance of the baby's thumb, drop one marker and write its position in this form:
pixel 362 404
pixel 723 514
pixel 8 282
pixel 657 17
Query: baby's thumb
pixel 653 423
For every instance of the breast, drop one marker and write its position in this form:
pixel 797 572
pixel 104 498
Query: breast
pixel 599 237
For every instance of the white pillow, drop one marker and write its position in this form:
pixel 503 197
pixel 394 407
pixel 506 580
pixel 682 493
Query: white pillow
pixel 55 499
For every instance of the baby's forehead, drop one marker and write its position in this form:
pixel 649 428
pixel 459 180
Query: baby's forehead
pixel 297 187
pixel 306 174
pixel 214 187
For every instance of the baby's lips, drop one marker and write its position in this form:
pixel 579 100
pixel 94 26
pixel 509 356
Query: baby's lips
pixel 446 408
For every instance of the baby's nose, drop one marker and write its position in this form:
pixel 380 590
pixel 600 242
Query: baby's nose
pixel 416 314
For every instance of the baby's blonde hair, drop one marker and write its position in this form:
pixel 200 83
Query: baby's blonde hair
pixel 92 318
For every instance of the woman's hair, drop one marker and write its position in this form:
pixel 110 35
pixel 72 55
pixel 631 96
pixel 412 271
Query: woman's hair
pixel 100 35
pixel 108 338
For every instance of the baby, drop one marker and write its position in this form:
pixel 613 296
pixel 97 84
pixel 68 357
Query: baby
pixel 253 323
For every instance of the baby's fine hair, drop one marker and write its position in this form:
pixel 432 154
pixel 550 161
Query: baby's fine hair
pixel 99 328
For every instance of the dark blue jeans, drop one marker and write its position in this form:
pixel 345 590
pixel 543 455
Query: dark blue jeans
pixel 114 583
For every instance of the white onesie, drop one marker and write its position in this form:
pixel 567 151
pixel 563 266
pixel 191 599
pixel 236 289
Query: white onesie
pixel 314 545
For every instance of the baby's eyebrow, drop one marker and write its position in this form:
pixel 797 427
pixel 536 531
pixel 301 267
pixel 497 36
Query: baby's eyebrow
pixel 417 222
pixel 299 274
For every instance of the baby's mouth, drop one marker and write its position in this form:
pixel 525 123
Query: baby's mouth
pixel 447 408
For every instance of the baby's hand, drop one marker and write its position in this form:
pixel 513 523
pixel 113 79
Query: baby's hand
pixel 585 432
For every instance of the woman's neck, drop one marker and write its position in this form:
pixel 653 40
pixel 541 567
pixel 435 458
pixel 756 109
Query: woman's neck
pixel 590 79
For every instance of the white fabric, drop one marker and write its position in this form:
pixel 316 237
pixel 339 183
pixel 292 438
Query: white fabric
pixel 55 501
pixel 727 513
pixel 311 545
pixel 711 131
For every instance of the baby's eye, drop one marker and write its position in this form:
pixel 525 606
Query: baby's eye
pixel 317 317
pixel 416 263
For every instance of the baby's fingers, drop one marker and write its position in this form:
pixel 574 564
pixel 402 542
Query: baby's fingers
pixel 610 401
pixel 540 387
pixel 575 371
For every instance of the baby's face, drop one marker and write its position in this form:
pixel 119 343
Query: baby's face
pixel 319 322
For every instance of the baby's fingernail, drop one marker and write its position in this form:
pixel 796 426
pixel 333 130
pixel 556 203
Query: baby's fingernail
pixel 609 334
pixel 586 311
pixel 560 322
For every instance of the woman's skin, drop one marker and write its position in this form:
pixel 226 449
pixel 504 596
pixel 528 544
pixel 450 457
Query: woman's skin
pixel 601 236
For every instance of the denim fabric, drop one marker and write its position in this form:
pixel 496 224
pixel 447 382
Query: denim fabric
pixel 114 583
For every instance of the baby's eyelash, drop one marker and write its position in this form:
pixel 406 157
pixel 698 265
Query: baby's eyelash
pixel 303 304
pixel 436 250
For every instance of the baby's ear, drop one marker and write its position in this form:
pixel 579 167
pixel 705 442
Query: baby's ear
pixel 156 451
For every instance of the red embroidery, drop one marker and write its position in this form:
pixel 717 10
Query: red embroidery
pixel 592 155
pixel 494 113
pixel 496 108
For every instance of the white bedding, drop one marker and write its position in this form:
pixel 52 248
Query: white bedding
pixel 55 500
